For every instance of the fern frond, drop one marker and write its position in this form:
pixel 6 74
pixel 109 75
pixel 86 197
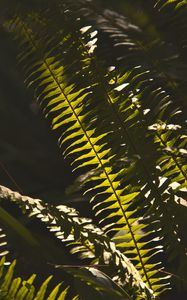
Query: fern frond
pixel 12 287
pixel 174 13
pixel 83 237
pixel 135 110
pixel 87 142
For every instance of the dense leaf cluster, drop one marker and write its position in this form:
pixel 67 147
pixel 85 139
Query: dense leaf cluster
pixel 113 85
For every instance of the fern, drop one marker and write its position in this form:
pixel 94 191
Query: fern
pixel 92 149
pixel 138 83
pixel 15 288
pixel 121 123
pixel 84 238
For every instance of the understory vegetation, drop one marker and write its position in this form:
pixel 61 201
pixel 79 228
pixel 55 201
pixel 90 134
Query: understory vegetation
pixel 110 79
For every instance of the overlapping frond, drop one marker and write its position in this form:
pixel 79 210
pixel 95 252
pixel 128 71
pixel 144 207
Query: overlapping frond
pixel 125 122
pixel 90 129
pixel 153 120
pixel 82 237
pixel 86 142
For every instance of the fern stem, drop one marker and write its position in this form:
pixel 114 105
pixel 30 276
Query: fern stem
pixel 110 101
pixel 11 177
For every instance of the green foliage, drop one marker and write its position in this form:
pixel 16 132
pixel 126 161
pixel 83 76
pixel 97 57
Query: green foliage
pixel 15 288
pixel 121 119
pixel 82 237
